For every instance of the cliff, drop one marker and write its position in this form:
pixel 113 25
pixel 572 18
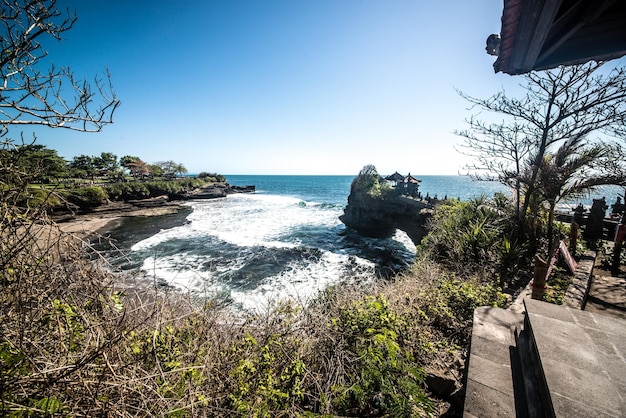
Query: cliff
pixel 380 216
pixel 216 190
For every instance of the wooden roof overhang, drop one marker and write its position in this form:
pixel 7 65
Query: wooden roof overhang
pixel 543 34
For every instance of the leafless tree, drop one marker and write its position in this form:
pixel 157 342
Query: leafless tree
pixel 33 92
pixel 559 105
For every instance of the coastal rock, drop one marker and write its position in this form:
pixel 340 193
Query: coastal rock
pixel 212 191
pixel 152 205
pixel 380 217
pixel 150 202
pixel 241 189
pixel 217 190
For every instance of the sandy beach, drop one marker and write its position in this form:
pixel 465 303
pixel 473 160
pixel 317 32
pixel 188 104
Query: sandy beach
pixel 109 217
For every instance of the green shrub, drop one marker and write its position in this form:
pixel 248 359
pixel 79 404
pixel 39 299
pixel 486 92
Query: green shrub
pixel 127 191
pixel 212 177
pixel 462 297
pixel 38 197
pixel 475 236
pixel 88 197
pixel 368 182
pixel 451 308
pixel 266 378
pixel 383 377
pixel 142 190
pixel 557 284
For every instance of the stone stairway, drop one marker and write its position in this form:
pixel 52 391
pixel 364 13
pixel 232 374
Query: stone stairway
pixel 550 361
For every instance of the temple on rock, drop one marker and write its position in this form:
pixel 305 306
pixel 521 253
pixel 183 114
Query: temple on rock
pixel 405 185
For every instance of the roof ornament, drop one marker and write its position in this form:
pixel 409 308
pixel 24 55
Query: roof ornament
pixel 493 44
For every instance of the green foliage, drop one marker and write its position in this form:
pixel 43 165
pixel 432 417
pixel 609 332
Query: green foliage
pixel 266 378
pixel 463 297
pixel 84 166
pixel 463 232
pixel 382 375
pixel 511 256
pixel 42 164
pixel 142 190
pixel 48 406
pixel 11 361
pixel 368 181
pixel 106 163
pixel 212 177
pixel 558 283
pixel 451 308
pixel 88 197
pixel 170 169
pixel 256 376
pixel 38 197
pixel 127 191
pixel 475 236
pixel 65 320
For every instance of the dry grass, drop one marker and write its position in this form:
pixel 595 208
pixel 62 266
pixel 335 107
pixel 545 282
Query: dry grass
pixel 74 341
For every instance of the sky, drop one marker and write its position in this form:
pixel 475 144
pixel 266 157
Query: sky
pixel 283 86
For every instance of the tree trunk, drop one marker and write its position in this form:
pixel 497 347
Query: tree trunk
pixel 551 227
pixel 617 248
pixel 539 280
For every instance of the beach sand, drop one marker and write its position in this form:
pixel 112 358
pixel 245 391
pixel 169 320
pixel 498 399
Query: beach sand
pixel 108 219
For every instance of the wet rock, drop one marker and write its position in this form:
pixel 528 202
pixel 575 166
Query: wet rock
pixel 379 218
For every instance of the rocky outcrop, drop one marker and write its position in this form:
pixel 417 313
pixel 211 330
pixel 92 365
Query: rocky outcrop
pixel 379 217
pixel 212 191
pixel 240 189
pixel 166 203
pixel 217 190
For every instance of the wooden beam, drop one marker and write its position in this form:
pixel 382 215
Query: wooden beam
pixel 544 18
pixel 571 22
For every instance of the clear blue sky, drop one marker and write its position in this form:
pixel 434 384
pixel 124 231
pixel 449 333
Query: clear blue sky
pixel 284 86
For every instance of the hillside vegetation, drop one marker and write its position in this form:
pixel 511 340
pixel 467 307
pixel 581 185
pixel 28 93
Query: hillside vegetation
pixel 76 341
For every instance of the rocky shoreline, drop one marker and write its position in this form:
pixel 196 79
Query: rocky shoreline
pixel 107 217
pixel 379 218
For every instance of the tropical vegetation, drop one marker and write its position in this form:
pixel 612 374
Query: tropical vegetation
pixel 90 181
pixel 559 140
pixel 79 340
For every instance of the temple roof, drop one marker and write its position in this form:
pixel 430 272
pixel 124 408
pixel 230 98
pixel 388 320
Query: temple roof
pixel 543 34
pixel 395 177
pixel 411 179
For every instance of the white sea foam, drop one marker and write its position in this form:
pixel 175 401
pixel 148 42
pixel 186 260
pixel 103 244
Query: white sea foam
pixel 257 249
pixel 298 283
pixel 252 220
pixel 404 239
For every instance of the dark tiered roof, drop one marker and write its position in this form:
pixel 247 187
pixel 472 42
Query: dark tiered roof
pixel 395 177
pixel 543 34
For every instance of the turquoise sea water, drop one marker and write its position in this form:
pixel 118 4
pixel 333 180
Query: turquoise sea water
pixel 337 188
pixel 284 241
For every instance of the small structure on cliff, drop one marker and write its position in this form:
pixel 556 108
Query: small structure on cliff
pixel 405 185
pixel 395 179
pixel 375 213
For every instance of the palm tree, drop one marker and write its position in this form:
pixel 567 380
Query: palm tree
pixel 572 171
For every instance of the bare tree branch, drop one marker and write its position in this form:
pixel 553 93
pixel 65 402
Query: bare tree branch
pixel 568 103
pixel 32 95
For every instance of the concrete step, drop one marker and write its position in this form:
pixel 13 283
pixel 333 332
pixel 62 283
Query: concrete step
pixel 491 390
pixel 534 392
pixel 609 290
pixel 580 358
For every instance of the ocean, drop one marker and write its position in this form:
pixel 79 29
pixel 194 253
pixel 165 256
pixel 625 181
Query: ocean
pixel 284 241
